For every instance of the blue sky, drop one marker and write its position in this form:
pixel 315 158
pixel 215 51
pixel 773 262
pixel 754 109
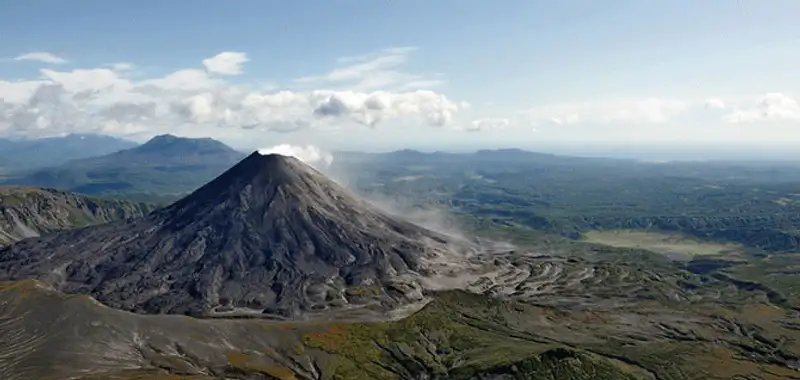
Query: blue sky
pixel 382 75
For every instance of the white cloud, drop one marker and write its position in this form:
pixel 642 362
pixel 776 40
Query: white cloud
pixel 226 63
pixel 123 66
pixel 201 108
pixel 18 91
pixel 186 80
pixel 774 106
pixel 193 101
pixel 716 103
pixel 487 125
pixel 378 70
pixel 649 110
pixel 41 56
pixel 371 108
pixel 397 50
pixel 83 80
pixel 289 111
pixel 309 154
pixel 566 119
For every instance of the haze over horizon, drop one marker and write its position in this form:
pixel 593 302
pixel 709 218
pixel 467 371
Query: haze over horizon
pixel 664 79
pixel 378 190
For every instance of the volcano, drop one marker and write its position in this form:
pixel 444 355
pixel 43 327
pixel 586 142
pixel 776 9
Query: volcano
pixel 270 235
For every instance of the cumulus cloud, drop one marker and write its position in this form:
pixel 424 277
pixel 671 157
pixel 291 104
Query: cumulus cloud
pixel 226 63
pixel 84 80
pixel 309 154
pixel 650 110
pixel 18 91
pixel 371 108
pixel 287 111
pixel 41 56
pixel 199 102
pixel 769 107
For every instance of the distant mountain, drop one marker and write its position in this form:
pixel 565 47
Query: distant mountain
pixel 271 234
pixel 165 165
pixel 27 154
pixel 29 211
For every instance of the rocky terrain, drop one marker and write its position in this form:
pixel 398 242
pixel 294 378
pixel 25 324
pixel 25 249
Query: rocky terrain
pixel 287 275
pixel 29 211
pixel 45 335
pixel 269 236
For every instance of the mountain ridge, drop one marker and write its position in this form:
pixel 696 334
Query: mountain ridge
pixel 163 150
pixel 30 211
pixel 164 165
pixel 270 235
pixel 18 155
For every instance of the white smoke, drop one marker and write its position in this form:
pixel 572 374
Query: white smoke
pixel 309 154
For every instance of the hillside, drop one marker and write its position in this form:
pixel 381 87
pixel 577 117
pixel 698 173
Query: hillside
pixel 27 154
pixel 28 211
pixel 271 235
pixel 46 335
pixel 166 165
pixel 290 276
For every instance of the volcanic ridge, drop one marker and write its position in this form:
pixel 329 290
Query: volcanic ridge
pixel 271 236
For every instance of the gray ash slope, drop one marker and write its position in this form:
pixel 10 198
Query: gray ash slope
pixel 270 234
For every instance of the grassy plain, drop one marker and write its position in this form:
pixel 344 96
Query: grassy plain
pixel 670 244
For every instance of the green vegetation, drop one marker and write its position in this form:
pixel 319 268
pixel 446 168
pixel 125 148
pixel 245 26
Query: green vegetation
pixel 459 336
pixel 754 205
pixel 777 272
pixel 603 300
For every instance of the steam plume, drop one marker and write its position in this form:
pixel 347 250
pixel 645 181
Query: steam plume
pixel 309 154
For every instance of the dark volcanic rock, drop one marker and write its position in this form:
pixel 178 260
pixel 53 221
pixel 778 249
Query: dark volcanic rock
pixel 270 233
